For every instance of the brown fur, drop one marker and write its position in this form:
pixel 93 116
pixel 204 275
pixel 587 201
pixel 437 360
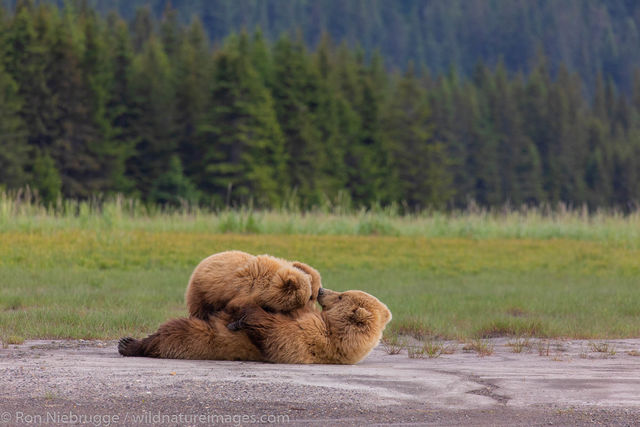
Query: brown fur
pixel 345 332
pixel 234 279
pixel 191 338
pixel 348 328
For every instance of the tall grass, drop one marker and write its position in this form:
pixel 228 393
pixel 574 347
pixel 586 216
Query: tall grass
pixel 21 211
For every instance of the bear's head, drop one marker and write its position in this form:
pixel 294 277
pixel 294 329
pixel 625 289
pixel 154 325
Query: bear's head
pixel 355 319
pixel 289 289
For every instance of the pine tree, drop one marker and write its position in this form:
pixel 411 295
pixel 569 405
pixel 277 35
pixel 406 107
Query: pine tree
pixel 46 178
pixel 154 116
pixel 120 104
pixel 192 87
pixel 483 156
pixel 172 188
pixel 420 162
pixel 242 146
pixel 295 92
pixel 26 63
pixel 13 135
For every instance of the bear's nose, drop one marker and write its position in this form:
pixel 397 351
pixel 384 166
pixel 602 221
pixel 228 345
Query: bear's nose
pixel 320 292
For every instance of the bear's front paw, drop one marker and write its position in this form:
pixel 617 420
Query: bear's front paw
pixel 237 325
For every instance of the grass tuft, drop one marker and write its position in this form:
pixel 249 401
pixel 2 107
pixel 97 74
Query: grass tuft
pixel 519 344
pixel 392 344
pixel 603 347
pixel 543 348
pixel 430 349
pixel 481 347
pixel 13 340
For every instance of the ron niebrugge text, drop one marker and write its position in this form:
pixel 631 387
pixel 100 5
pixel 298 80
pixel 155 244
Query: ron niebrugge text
pixel 99 420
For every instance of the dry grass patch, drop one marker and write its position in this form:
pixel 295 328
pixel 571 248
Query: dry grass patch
pixel 519 344
pixel 603 347
pixel 543 347
pixel 392 343
pixel 430 349
pixel 481 347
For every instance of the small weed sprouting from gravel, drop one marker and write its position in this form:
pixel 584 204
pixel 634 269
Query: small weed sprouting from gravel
pixel 583 353
pixel 603 347
pixel 519 344
pixel 13 339
pixel 481 347
pixel 543 348
pixel 449 348
pixel 430 349
pixel 393 344
pixel 50 395
pixel 416 352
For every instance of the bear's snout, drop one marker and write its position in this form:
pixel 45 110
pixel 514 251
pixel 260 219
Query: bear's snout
pixel 325 297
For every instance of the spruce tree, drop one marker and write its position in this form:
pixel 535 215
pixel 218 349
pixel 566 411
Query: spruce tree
pixel 295 92
pixel 153 116
pixel 13 135
pixel 420 162
pixel 243 156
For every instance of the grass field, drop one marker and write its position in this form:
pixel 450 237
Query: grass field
pixel 78 277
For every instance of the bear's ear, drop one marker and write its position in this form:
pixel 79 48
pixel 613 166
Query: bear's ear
pixel 360 316
pixel 290 283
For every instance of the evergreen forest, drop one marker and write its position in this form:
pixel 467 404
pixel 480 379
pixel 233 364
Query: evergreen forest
pixel 156 103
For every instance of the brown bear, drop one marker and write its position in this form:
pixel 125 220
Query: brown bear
pixel 348 328
pixel 193 338
pixel 233 279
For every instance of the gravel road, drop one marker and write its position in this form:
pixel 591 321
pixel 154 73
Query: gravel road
pixel 89 383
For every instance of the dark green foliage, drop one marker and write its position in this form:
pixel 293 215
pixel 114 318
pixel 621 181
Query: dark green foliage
pixel 586 35
pixel 172 188
pixel 241 145
pixel 46 179
pixel 92 105
pixel 13 135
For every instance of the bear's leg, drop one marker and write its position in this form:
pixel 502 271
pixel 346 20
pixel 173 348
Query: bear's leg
pixel 258 325
pixel 146 347
pixel 130 347
pixel 191 338
pixel 176 339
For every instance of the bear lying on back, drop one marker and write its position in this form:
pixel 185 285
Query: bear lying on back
pixel 233 279
pixel 348 328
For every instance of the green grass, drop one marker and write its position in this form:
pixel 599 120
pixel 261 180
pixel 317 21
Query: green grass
pixel 20 212
pixel 73 282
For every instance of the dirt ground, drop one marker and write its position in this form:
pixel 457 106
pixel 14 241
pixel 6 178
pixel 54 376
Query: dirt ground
pixel 89 383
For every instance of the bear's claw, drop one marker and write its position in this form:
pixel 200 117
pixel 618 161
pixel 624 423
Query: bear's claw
pixel 237 325
pixel 123 345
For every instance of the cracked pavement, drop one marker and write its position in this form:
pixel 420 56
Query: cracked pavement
pixel 560 382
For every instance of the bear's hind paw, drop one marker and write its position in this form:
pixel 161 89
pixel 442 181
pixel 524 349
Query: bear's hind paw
pixel 125 346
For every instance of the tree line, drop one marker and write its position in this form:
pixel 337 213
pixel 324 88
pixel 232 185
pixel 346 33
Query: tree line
pixel 148 108
pixel 585 35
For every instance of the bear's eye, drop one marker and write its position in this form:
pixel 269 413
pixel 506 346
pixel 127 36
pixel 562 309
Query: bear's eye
pixel 340 297
pixel 311 298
